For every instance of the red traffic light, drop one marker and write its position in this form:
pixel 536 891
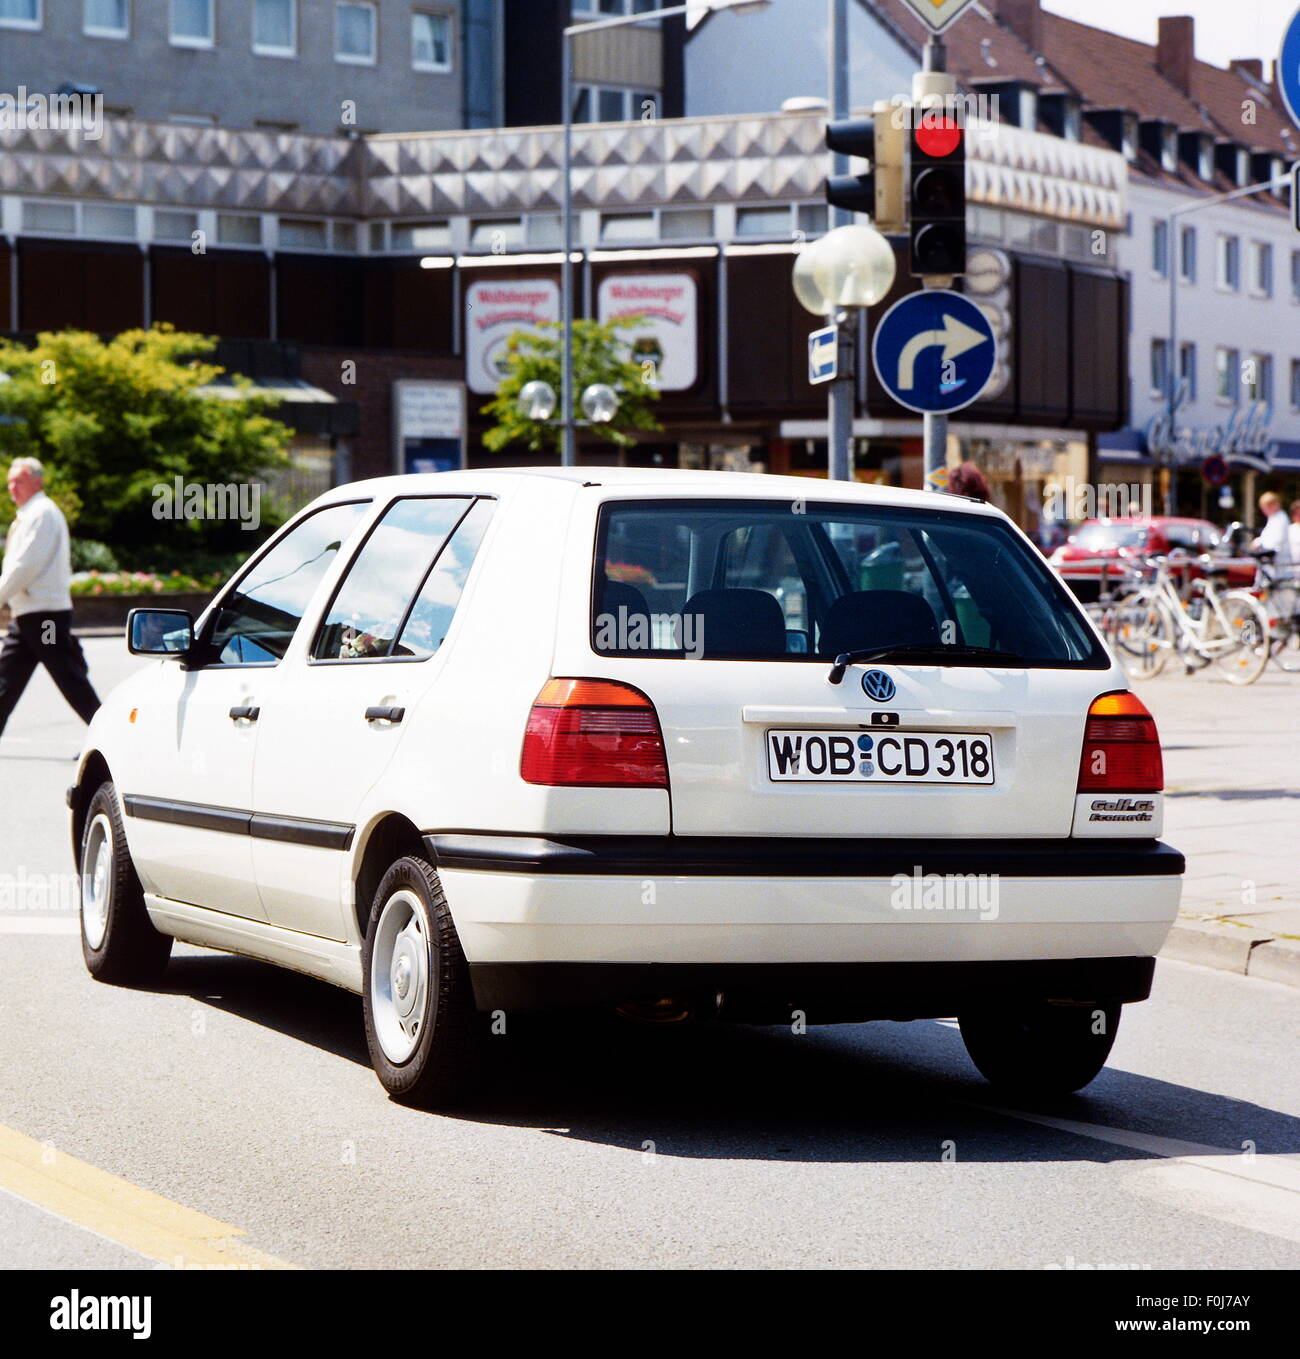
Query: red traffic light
pixel 937 137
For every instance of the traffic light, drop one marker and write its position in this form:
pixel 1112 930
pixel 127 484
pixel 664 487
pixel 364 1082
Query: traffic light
pixel 878 192
pixel 937 194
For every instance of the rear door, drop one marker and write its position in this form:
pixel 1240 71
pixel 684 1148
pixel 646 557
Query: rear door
pixel 750 601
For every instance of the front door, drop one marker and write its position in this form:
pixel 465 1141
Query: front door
pixel 331 728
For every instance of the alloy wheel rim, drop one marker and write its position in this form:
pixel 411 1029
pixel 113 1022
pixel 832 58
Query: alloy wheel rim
pixel 399 976
pixel 96 880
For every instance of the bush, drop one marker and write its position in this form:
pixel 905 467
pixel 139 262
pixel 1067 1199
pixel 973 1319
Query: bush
pixel 88 555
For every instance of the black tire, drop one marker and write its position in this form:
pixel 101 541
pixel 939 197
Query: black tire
pixel 1040 1049
pixel 448 1046
pixel 118 940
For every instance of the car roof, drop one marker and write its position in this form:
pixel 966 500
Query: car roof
pixel 669 481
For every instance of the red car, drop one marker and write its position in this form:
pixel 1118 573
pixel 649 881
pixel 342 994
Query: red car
pixel 1117 543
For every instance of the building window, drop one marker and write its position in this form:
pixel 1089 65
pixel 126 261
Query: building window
pixel 1229 274
pixel 302 234
pixel 174 226
pixel 1295 275
pixel 604 104
pixel 275 126
pixel 431 41
pixel 192 23
pixel 1159 367
pixel 1259 378
pixel 108 220
pixel 813 219
pixel 355 25
pixel 345 236
pixel 1187 372
pixel 1169 149
pixel 763 222
pixel 106 19
pixel 627 226
pixel 496 234
pixel 1187 261
pixel 275 28
pixel 415 236
pixel 49 217
pixel 1295 384
pixel 1160 248
pixel 1261 274
pixel 1227 369
pixel 239 229
pixel 686 224
pixel 20 13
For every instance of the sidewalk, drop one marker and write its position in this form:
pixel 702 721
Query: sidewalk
pixel 1232 805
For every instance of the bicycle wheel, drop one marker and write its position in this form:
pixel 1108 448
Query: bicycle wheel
pixel 1286 646
pixel 1142 635
pixel 1244 662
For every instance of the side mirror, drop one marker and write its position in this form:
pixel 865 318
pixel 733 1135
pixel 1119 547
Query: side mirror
pixel 159 632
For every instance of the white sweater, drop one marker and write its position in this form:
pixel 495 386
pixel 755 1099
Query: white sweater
pixel 37 566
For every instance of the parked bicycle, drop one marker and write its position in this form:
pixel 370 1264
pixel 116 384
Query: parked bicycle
pixel 1203 625
pixel 1278 589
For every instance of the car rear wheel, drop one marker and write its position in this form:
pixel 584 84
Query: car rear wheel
pixel 118 940
pixel 1041 1049
pixel 423 1032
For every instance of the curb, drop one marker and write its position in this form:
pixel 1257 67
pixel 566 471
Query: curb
pixel 1230 947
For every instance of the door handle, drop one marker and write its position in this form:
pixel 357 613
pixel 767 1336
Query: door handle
pixel 246 712
pixel 381 714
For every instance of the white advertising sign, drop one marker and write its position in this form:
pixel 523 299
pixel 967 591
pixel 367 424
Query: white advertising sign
pixel 430 410
pixel 667 336
pixel 494 310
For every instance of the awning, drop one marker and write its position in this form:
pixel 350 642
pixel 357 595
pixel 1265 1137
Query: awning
pixel 307 409
pixel 1286 455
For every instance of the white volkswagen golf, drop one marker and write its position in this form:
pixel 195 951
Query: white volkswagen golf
pixel 679 744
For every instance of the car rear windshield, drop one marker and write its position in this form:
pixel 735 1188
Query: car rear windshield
pixel 807 581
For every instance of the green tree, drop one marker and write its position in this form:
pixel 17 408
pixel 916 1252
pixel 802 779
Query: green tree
pixel 114 420
pixel 599 355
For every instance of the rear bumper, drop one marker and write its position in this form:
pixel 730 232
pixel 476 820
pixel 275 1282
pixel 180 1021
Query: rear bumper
pixel 824 992
pixel 796 856
pixel 546 921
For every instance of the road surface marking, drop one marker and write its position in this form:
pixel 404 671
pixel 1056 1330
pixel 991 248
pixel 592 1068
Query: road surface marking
pixel 120 1211
pixel 1260 1192
pixel 39 924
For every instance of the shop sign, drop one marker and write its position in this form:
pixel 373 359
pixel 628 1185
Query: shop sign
pixel 1245 434
pixel 494 310
pixel 664 343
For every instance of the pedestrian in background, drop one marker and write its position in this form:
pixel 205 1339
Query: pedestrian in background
pixel 1274 536
pixel 1293 533
pixel 968 480
pixel 34 583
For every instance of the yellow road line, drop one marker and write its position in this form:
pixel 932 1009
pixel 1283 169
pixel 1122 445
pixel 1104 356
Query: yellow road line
pixel 120 1211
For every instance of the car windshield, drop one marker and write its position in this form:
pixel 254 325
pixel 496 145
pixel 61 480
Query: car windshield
pixel 808 581
pixel 1096 537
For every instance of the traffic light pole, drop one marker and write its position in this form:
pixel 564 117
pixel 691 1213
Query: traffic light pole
pixel 934 425
pixel 839 398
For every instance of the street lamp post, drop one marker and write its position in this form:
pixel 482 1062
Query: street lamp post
pixel 1173 260
pixel 569 443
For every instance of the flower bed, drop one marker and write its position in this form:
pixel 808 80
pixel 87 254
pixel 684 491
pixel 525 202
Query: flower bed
pixel 146 583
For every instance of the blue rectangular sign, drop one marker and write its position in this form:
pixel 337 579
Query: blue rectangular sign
pixel 823 353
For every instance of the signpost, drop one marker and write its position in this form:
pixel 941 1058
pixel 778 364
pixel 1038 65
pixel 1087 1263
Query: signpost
pixel 934 351
pixel 823 353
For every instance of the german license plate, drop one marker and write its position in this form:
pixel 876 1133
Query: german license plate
pixel 804 756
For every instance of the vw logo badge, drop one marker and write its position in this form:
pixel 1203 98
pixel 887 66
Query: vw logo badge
pixel 878 686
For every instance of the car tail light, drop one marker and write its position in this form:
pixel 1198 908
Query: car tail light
pixel 590 733
pixel 1121 747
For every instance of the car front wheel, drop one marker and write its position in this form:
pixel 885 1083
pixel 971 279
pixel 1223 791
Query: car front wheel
pixel 423 1032
pixel 118 940
pixel 1040 1049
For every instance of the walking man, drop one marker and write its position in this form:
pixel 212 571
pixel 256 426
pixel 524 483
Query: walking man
pixel 34 583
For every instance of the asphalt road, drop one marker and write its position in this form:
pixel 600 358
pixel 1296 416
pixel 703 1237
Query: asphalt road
pixel 237 1111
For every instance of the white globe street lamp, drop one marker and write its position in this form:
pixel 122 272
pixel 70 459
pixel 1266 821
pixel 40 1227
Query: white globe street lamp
pixel 852 266
pixel 536 401
pixel 600 403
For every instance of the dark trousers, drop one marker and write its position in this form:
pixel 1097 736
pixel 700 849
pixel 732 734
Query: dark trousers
pixel 44 639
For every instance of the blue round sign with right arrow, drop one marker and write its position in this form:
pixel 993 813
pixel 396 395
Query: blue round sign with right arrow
pixel 1287 71
pixel 934 351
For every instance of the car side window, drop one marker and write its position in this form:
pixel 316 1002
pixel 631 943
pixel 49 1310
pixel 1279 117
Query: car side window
pixel 257 620
pixel 435 607
pixel 372 601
